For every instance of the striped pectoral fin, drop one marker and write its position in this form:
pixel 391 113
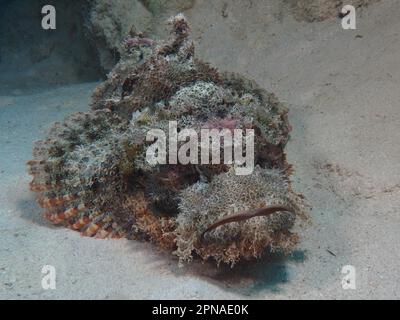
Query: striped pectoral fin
pixel 81 223
pixel 91 230
pixel 47 203
pixel 101 227
pixel 60 217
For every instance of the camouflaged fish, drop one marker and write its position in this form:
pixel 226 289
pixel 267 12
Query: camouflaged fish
pixel 91 174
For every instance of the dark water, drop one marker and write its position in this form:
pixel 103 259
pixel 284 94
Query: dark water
pixel 31 56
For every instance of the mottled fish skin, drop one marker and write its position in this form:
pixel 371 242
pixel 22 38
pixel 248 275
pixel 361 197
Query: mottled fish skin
pixel 91 175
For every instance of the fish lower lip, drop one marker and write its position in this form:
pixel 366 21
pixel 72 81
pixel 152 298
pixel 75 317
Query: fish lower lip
pixel 245 215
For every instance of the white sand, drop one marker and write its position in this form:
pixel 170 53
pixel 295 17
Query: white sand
pixel 344 99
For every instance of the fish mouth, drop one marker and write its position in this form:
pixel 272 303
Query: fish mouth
pixel 246 215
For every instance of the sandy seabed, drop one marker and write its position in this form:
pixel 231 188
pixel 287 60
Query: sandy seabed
pixel 342 89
